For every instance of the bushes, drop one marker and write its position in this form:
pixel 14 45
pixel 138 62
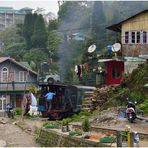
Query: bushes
pixel 18 111
pixel 144 106
pixel 85 125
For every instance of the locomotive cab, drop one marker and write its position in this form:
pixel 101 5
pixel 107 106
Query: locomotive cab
pixel 66 101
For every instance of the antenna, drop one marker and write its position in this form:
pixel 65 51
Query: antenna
pixel 92 48
pixel 116 47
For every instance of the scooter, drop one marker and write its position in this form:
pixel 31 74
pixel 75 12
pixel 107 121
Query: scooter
pixel 130 112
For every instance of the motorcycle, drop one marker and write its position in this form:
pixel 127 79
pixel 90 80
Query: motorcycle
pixel 130 112
pixel 11 113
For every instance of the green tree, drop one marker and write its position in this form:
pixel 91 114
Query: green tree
pixel 35 55
pixel 54 38
pixel 53 43
pixel 10 36
pixel 28 28
pixel 73 15
pixel 53 25
pixel 15 50
pixel 39 37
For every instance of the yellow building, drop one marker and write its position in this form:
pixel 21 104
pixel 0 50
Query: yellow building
pixel 134 38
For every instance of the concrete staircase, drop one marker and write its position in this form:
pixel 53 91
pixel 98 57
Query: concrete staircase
pixel 87 104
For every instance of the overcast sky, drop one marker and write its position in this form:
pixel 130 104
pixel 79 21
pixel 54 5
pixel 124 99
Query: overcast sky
pixel 48 5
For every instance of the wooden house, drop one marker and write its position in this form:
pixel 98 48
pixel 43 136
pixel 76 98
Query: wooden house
pixel 15 80
pixel 134 36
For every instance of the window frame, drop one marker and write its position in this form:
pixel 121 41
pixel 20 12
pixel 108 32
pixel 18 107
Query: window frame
pixel 145 36
pixel 132 37
pixel 138 37
pixel 126 39
pixel 11 76
pixel 3 74
pixel 23 76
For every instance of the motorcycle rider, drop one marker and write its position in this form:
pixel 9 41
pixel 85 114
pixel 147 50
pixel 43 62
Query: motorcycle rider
pixel 132 105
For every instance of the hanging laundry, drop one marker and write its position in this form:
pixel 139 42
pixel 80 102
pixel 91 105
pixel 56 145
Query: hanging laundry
pixel 79 71
pixel 27 109
pixel 86 66
pixel 33 100
pixel 76 69
pixel 81 74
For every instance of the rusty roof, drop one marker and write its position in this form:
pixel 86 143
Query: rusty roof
pixel 117 27
pixel 2 59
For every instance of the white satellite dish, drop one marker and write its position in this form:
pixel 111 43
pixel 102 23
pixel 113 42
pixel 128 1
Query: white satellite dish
pixel 92 48
pixel 116 47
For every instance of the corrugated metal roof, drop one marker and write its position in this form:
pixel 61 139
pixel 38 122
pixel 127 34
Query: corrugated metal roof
pixel 85 87
pixel 2 59
pixel 107 60
pixel 134 59
pixel 117 27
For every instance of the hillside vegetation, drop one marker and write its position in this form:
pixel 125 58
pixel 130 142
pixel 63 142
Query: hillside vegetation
pixel 134 90
pixel 135 84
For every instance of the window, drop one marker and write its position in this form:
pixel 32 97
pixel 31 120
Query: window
pixel 4 74
pixel 144 37
pixel 138 37
pixel 115 72
pixel 126 37
pixel 133 37
pixel 23 76
pixel 11 76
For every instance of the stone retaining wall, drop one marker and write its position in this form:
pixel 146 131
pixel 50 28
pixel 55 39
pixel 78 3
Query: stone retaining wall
pixel 52 138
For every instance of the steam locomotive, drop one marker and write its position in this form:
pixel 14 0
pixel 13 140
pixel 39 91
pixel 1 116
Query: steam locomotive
pixel 66 102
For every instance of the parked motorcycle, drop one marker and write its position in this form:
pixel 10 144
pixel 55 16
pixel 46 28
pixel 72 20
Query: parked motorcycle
pixel 130 112
pixel 10 111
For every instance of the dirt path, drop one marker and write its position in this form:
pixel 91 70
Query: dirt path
pixel 15 136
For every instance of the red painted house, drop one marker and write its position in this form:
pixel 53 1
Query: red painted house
pixel 113 69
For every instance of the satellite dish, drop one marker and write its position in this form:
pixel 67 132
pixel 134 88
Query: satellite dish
pixel 92 48
pixel 116 47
